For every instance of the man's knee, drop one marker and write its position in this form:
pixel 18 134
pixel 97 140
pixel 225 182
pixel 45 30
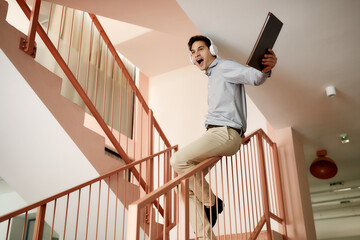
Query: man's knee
pixel 177 161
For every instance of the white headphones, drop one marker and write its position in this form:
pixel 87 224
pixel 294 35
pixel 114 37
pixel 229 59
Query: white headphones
pixel 213 50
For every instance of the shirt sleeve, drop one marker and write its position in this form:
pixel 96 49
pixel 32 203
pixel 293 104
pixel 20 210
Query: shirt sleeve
pixel 236 73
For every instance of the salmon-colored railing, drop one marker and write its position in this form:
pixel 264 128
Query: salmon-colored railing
pixel 96 209
pixel 248 183
pixel 135 135
pixel 115 102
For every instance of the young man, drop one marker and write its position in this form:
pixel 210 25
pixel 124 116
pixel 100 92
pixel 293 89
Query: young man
pixel 225 123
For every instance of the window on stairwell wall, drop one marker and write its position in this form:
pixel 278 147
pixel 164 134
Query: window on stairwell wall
pixel 88 57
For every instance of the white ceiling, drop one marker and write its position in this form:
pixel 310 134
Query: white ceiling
pixel 317 47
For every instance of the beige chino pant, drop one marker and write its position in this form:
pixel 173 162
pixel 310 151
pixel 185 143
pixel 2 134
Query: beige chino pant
pixel 219 141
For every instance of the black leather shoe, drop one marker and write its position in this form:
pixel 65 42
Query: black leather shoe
pixel 213 211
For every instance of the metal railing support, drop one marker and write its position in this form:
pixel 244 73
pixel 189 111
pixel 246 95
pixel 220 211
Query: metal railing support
pixel 39 222
pixel 184 205
pixel 150 164
pixel 28 45
pixel 279 190
pixel 264 185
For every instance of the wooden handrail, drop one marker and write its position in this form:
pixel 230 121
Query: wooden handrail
pixel 85 184
pixel 149 198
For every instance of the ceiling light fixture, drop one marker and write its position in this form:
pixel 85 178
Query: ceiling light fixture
pixel 323 167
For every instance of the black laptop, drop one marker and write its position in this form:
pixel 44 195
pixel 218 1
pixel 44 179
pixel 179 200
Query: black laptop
pixel 266 39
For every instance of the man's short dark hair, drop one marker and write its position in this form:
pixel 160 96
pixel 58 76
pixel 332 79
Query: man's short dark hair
pixel 199 38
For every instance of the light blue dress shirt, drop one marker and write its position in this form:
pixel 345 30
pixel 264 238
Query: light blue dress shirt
pixel 226 92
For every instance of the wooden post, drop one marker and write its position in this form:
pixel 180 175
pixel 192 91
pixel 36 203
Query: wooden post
pixel 133 222
pixel 184 215
pixel 28 44
pixel 264 186
pixel 279 189
pixel 39 222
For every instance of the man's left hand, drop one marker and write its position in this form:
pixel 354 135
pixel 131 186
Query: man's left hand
pixel 269 61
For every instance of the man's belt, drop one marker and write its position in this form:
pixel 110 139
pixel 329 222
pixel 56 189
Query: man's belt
pixel 239 131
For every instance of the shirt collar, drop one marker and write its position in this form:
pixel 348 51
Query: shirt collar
pixel 212 65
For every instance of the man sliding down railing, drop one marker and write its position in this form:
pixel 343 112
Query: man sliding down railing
pixel 248 184
pixel 96 209
pixel 225 121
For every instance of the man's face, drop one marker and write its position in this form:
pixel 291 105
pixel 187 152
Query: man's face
pixel 201 55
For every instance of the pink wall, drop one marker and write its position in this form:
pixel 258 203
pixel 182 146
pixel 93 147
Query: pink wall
pixel 298 210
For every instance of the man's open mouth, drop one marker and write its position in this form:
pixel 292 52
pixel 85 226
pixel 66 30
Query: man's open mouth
pixel 199 61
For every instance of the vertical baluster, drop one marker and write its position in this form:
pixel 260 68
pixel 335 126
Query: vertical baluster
pixel 273 182
pixel 157 216
pixel 216 200
pixel 8 228
pixel 107 208
pixel 77 214
pixel 279 188
pixel 195 207
pixel 256 184
pixel 134 119
pixel 89 59
pixel 80 46
pixel 158 184
pixel 177 205
pixel 165 217
pixel 24 227
pixel 97 71
pixel 210 199
pixel 202 199
pixel 71 31
pixel 39 222
pixel 49 19
pixel 124 208
pixel 61 20
pixel 141 132
pixel 120 110
pixel 98 211
pixel 112 97
pixel 105 81
pixel 53 219
pixel 251 177
pixel 228 197
pixel 151 222
pixel 184 218
pixel 264 184
pixel 271 175
pixel 116 202
pixel 233 184
pixel 222 191
pixel 127 117
pixel 242 171
pixel 246 166
pixel 66 213
pixel 88 212
pixel 238 191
